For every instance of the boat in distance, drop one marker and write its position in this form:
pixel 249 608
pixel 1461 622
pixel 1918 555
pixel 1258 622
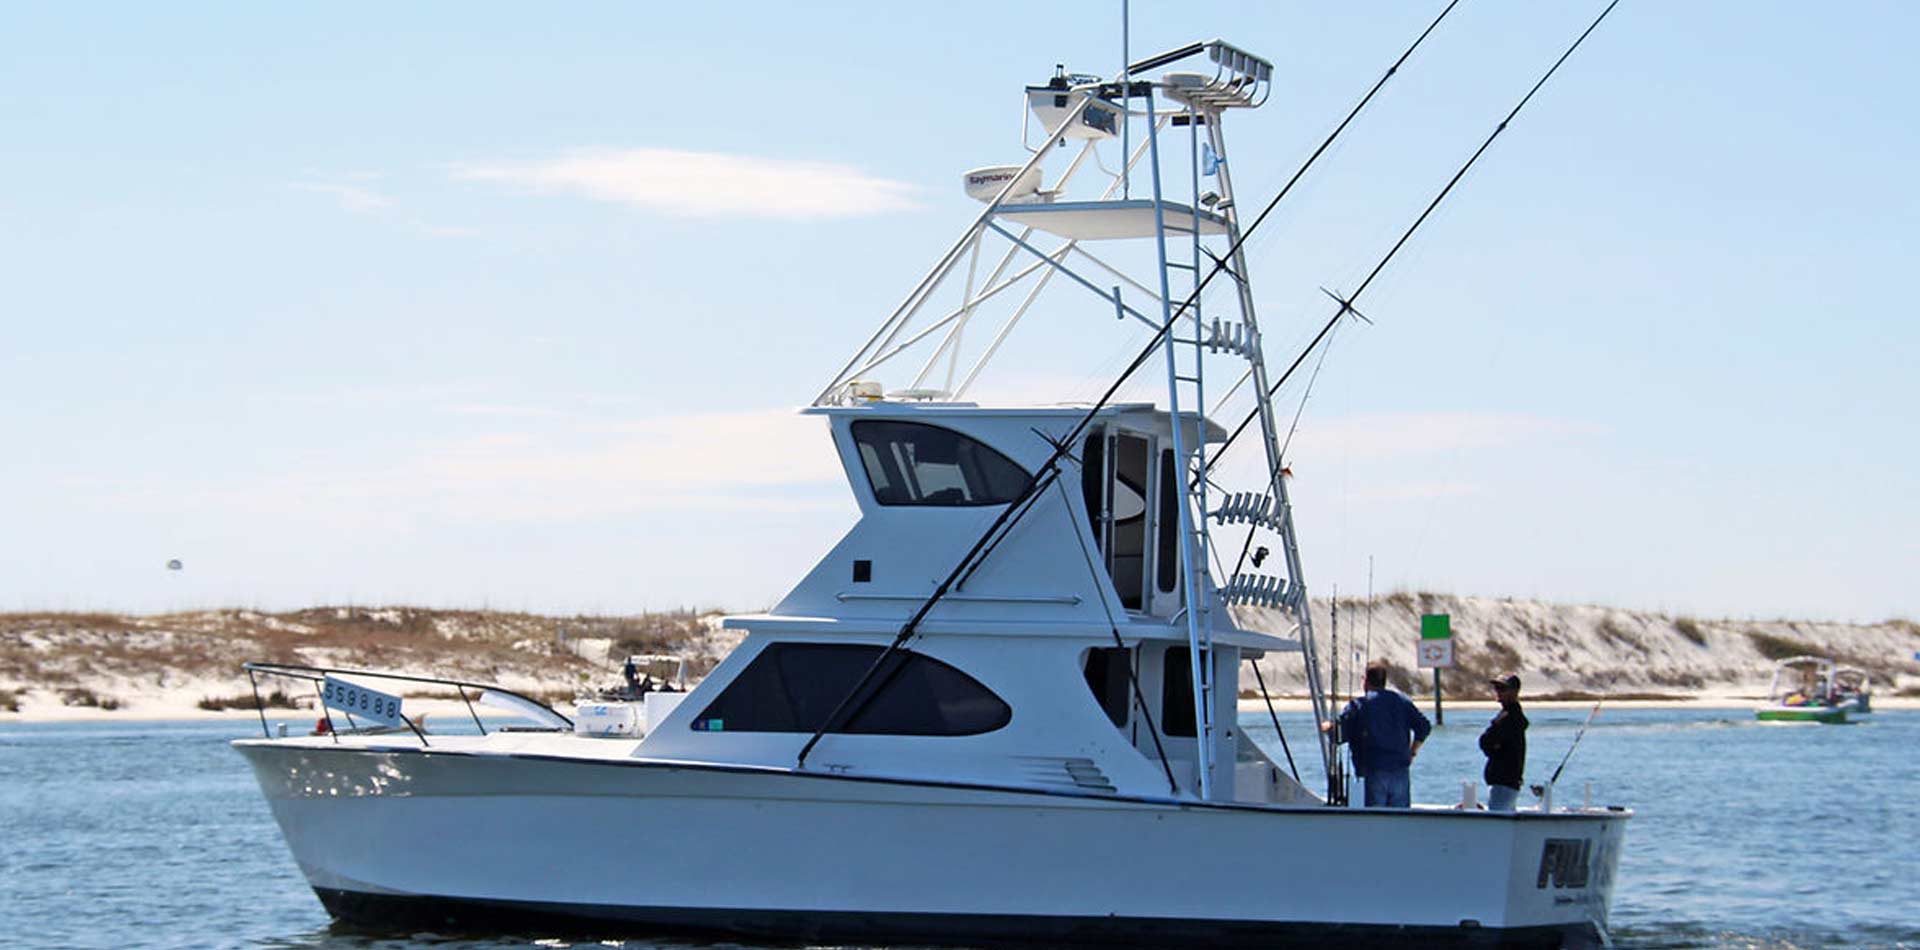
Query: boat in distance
pixel 1812 689
pixel 1002 709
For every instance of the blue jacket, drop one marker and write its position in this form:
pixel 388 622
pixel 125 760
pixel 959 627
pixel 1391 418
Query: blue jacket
pixel 1382 727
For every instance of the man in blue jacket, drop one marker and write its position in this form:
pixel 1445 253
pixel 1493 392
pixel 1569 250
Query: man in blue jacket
pixel 1385 731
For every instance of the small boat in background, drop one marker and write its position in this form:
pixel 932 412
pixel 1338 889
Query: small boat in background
pixel 1803 690
pixel 1852 691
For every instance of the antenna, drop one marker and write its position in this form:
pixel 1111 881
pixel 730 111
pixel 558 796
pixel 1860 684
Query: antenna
pixel 1126 85
pixel 1369 607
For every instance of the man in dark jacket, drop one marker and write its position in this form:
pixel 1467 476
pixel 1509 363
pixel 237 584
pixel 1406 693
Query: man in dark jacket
pixel 1385 730
pixel 1505 743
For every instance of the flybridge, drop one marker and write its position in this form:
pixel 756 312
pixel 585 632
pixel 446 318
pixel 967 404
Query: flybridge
pixel 924 341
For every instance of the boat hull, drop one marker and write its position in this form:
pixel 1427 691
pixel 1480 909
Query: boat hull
pixel 404 838
pixel 412 913
pixel 1826 714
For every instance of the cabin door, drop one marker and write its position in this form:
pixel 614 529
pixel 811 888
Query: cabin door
pixel 1133 504
pixel 1116 478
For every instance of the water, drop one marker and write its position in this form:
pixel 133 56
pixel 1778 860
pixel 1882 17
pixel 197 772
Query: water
pixel 1748 835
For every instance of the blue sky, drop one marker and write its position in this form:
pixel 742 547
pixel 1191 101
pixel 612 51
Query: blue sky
pixel 430 304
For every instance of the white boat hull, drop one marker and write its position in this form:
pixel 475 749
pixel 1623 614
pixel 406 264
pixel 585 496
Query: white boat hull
pixel 408 837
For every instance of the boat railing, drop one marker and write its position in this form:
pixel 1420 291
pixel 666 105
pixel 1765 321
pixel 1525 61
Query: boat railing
pixel 319 676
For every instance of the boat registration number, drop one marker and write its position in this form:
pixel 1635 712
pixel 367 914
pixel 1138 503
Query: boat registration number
pixel 361 702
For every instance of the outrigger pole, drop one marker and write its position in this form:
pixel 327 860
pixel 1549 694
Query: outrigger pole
pixel 855 699
pixel 1346 303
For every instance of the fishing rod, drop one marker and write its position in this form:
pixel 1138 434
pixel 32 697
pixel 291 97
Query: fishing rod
pixel 854 701
pixel 1595 711
pixel 1346 303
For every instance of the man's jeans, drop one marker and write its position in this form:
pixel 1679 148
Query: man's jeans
pixel 1501 797
pixel 1389 789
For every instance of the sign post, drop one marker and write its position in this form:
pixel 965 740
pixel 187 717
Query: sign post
pixel 1434 650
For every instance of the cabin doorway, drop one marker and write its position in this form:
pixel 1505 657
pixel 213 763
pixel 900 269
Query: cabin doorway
pixel 1116 479
pixel 1133 505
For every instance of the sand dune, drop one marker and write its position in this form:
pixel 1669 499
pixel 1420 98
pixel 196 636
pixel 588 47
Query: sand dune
pixel 77 666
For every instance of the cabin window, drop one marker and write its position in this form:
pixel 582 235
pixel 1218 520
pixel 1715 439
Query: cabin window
pixel 1176 693
pixel 1167 560
pixel 1107 677
pixel 1093 481
pixel 909 463
pixel 1127 503
pixel 794 687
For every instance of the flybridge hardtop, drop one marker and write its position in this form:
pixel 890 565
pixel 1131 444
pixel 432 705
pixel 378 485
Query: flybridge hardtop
pixel 1010 690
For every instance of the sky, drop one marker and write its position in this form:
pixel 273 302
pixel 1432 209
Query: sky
pixel 492 305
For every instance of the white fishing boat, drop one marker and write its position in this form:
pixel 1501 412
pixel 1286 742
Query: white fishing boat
pixel 979 718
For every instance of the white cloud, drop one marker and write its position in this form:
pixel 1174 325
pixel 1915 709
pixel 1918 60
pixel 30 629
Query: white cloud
pixel 362 199
pixel 686 455
pixel 444 231
pixel 355 198
pixel 705 184
pixel 556 467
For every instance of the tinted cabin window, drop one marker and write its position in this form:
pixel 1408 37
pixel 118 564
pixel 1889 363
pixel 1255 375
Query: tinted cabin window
pixel 913 464
pixel 794 687
pixel 1128 551
pixel 1093 480
pixel 1107 669
pixel 1167 562
pixel 1176 693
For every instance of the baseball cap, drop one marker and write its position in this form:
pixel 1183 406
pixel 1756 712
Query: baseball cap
pixel 1508 681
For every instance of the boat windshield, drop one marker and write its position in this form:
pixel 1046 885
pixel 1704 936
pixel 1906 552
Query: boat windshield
pixel 910 463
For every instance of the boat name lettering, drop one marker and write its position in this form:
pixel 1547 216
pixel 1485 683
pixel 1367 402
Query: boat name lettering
pixel 1564 862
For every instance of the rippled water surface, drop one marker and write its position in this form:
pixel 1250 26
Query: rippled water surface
pixel 1747 834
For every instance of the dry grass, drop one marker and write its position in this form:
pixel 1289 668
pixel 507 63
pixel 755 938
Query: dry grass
pixel 9 701
pixel 74 651
pixel 274 700
pixel 1779 648
pixel 1672 678
pixel 1690 628
pixel 81 696
pixel 1619 636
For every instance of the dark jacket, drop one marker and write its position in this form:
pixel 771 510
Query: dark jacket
pixel 1505 743
pixel 1382 726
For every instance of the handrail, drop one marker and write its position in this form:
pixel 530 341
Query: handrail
pixel 318 673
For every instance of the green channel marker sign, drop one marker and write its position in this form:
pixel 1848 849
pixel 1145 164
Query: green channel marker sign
pixel 1434 649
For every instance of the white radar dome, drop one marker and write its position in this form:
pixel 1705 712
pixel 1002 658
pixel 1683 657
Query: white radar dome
pixel 984 183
